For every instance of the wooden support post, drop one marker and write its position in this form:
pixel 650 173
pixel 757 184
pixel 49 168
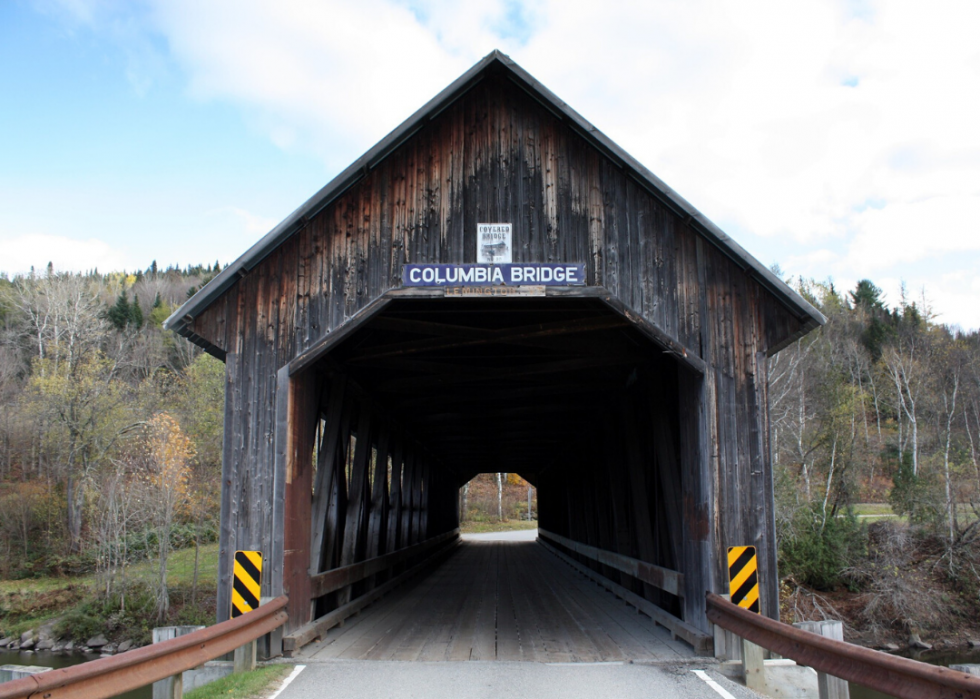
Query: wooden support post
pixel 330 440
pixel 394 537
pixel 408 475
pixel 169 688
pixel 639 492
pixel 417 475
pixel 245 658
pixel 753 660
pixel 378 524
pixel 830 687
pixel 357 504
pixel 295 434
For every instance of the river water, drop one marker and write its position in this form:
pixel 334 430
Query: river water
pixel 944 658
pixel 57 660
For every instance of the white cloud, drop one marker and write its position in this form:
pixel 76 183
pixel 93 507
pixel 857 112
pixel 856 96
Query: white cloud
pixel 245 221
pixel 912 231
pixel 849 136
pixel 19 254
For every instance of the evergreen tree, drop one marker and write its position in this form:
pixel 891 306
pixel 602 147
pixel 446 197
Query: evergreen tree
pixel 136 313
pixel 120 314
pixel 877 328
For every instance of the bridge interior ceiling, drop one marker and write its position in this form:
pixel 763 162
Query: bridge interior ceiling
pixel 511 385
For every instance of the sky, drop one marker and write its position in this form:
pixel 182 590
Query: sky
pixel 839 139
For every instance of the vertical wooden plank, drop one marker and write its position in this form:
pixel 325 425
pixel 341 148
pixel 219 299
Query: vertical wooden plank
pixel 405 535
pixel 696 483
pixel 229 481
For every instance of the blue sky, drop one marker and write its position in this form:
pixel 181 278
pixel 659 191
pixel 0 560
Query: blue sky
pixel 837 139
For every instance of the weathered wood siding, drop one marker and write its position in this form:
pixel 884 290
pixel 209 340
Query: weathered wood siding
pixel 495 155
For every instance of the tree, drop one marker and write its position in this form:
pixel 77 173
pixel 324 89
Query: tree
pixel 136 313
pixel 120 315
pixel 168 455
pixel 81 405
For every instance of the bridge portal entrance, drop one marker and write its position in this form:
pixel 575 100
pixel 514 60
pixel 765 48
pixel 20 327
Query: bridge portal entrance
pixel 495 286
pixel 395 417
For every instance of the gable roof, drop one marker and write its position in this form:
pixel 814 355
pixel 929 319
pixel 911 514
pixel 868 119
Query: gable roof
pixel 180 321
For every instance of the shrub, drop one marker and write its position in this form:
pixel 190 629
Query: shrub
pixel 916 496
pixel 817 552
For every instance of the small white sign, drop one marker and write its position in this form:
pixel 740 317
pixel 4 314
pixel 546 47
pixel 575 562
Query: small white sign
pixel 494 243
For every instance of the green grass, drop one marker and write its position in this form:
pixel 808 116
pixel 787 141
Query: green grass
pixel 180 567
pixel 28 603
pixel 876 511
pixel 180 571
pixel 261 682
pixel 510 525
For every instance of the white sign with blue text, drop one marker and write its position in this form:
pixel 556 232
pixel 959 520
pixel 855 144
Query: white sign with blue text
pixel 537 274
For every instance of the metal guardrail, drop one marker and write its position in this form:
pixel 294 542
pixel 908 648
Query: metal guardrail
pixel 107 677
pixel 901 677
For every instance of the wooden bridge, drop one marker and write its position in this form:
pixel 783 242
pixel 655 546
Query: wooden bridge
pixel 615 355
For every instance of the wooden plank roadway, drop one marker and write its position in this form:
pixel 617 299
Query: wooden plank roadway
pixel 500 600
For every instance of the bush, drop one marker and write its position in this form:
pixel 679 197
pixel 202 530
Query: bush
pixel 817 553
pixel 918 497
pixel 145 544
pixel 133 620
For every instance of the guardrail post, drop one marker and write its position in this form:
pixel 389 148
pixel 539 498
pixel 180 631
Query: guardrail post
pixel 753 660
pixel 728 646
pixel 245 657
pixel 830 687
pixel 173 686
pixel 269 646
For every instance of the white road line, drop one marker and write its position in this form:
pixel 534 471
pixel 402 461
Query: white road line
pixel 714 685
pixel 586 664
pixel 292 676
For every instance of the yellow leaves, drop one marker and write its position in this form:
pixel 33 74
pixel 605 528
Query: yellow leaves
pixel 169 453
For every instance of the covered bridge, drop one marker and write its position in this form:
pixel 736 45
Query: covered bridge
pixel 602 338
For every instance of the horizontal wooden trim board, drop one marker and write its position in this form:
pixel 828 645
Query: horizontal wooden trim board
pixel 316 628
pixel 702 643
pixel 335 579
pixel 664 578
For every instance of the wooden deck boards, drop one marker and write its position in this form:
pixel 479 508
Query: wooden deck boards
pixel 500 601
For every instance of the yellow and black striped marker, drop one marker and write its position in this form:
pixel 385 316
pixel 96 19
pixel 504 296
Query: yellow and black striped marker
pixel 743 577
pixel 245 590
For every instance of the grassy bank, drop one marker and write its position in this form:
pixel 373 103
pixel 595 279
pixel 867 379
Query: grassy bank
pixel 79 609
pixel 259 683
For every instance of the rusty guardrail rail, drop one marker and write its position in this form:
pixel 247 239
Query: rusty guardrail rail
pixel 107 677
pixel 900 677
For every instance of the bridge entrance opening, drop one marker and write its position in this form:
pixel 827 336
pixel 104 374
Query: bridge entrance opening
pixel 569 393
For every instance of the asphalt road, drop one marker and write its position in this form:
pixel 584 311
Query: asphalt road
pixel 357 679
pixel 373 679
pixel 519 535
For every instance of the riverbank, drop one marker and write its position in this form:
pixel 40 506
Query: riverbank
pixel 54 612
